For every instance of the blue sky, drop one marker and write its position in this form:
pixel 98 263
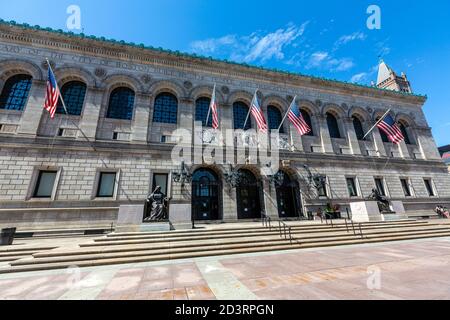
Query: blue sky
pixel 322 38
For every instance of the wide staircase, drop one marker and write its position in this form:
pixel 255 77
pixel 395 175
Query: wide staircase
pixel 123 248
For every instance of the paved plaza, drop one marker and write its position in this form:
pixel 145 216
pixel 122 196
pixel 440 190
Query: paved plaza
pixel 400 270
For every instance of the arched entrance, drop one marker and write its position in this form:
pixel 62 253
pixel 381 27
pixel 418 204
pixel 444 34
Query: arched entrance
pixel 205 195
pixel 288 197
pixel 248 196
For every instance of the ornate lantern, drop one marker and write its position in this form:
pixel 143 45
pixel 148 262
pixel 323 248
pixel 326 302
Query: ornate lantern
pixel 183 175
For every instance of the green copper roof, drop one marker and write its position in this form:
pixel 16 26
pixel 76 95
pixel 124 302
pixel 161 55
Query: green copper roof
pixel 193 55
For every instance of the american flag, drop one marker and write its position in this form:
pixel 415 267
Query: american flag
pixel 52 95
pixel 295 116
pixel 214 110
pixel 258 115
pixel 392 130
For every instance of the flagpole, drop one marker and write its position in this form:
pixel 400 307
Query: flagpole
pixel 287 113
pixel 376 124
pixel 210 105
pixel 250 109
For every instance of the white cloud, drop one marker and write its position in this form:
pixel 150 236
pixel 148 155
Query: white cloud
pixel 359 77
pixel 321 59
pixel 253 47
pixel 349 38
pixel 364 76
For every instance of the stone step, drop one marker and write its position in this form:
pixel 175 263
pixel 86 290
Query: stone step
pixel 219 252
pixel 256 231
pixel 298 225
pixel 241 235
pixel 170 249
pixel 190 243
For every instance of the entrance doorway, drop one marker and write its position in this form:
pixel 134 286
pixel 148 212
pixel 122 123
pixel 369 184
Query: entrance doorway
pixel 288 198
pixel 205 195
pixel 248 196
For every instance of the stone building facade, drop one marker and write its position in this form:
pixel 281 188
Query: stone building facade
pixel 127 100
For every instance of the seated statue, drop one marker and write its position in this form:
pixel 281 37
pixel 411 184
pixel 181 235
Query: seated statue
pixel 383 203
pixel 158 205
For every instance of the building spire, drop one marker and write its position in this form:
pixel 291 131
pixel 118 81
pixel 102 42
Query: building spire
pixel 388 79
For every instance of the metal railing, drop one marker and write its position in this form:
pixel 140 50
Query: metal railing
pixel 266 221
pixel 349 223
pixel 286 231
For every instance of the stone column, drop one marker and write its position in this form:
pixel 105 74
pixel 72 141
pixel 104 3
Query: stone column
pixel 186 114
pixel 31 116
pixel 295 136
pixel 403 149
pixel 230 211
pixel 270 199
pixel 140 126
pixel 351 136
pixel 427 144
pixel 91 113
pixel 324 134
pixel 377 141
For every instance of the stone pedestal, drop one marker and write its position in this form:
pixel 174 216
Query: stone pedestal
pixel 399 212
pixel 365 211
pixel 180 216
pixel 130 219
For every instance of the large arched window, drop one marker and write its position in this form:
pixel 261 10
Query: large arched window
pixel 405 133
pixel 274 118
pixel 333 126
pixel 307 117
pixel 166 109
pixel 201 111
pixel 121 103
pixel 359 130
pixel 73 94
pixel 15 92
pixel 240 112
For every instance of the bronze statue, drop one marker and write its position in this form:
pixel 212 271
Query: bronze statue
pixel 158 203
pixel 383 203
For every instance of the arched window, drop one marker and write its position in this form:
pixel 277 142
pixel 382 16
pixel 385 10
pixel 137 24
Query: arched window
pixel 121 103
pixel 359 130
pixel 405 133
pixel 240 112
pixel 307 118
pixel 15 92
pixel 333 126
pixel 73 94
pixel 201 111
pixel 274 118
pixel 166 109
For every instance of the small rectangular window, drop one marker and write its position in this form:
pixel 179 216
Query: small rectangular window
pixel 115 135
pixel 163 139
pixel 429 186
pixel 60 132
pixel 406 187
pixel 379 183
pixel 106 184
pixel 351 186
pixel 45 184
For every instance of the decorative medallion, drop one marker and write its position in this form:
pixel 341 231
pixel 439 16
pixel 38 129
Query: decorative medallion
pixel 370 110
pixel 344 106
pixel 225 90
pixel 289 98
pixel 188 85
pixel 100 72
pixel 146 78
pixel 318 103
